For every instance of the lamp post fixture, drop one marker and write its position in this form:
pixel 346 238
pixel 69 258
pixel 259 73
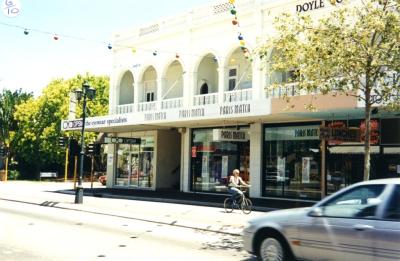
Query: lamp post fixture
pixel 86 93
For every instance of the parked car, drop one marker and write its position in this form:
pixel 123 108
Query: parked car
pixel 360 222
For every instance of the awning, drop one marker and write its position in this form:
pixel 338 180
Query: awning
pixel 352 149
pixel 391 150
pixel 360 150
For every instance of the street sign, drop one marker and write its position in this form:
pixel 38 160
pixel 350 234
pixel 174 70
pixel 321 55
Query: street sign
pixel 72 124
pixel 121 140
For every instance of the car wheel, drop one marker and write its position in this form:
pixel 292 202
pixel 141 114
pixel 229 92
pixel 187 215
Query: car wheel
pixel 271 249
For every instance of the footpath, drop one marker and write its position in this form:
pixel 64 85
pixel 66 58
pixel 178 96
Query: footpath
pixel 191 210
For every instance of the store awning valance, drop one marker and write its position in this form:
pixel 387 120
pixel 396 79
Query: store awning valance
pixel 351 149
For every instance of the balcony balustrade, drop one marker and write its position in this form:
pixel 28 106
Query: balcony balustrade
pixel 126 108
pixel 172 103
pixel 147 106
pixel 238 96
pixel 204 99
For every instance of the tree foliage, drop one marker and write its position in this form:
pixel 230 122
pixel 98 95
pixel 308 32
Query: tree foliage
pixel 354 50
pixel 40 121
pixel 8 102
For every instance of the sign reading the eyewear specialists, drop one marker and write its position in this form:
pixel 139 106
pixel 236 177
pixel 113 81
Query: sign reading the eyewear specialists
pixel 314 5
pixel 11 8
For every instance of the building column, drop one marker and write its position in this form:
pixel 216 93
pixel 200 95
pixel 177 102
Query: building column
pixel 160 83
pixel 221 83
pixel 185 160
pixel 256 154
pixel 111 161
pixel 193 88
pixel 186 89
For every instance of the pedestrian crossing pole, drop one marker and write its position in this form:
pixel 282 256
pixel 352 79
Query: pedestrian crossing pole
pixel 5 178
pixel 66 165
pixel 75 170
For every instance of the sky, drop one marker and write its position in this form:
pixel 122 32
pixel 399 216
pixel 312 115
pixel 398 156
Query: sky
pixel 30 62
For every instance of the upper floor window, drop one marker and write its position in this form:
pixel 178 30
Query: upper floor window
pixel 232 78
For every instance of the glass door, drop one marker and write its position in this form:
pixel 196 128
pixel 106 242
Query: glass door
pixel 134 169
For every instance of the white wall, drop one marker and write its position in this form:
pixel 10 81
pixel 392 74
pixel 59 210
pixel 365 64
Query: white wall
pixel 168 158
pixel 256 148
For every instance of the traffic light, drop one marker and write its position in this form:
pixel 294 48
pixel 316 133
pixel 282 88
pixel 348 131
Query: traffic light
pixel 4 151
pixel 90 148
pixel 74 147
pixel 97 149
pixel 61 141
pixel 94 148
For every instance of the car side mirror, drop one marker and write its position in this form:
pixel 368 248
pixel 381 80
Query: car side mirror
pixel 315 212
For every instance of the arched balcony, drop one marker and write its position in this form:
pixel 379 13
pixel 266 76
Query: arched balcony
pixel 126 94
pixel 239 78
pixel 148 90
pixel 206 88
pixel 172 87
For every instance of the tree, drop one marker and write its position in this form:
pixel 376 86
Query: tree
pixel 8 125
pixel 355 50
pixel 40 121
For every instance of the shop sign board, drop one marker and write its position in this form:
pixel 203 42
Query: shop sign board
pixel 202 112
pixel 230 135
pixel 310 132
pixel 121 140
pixel 340 134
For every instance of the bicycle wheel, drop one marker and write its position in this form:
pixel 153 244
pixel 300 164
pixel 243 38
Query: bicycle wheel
pixel 228 205
pixel 247 205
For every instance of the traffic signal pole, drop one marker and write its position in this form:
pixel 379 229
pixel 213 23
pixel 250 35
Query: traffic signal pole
pixel 91 172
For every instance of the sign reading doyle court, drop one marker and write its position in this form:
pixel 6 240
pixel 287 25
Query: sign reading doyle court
pixel 313 5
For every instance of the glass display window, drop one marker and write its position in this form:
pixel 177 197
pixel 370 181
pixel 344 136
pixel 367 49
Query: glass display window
pixel 214 159
pixel 135 164
pixel 292 158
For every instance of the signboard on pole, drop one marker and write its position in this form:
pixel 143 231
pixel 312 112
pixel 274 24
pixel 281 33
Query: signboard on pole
pixel 122 140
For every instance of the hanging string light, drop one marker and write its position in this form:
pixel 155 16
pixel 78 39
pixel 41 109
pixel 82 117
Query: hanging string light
pixel 235 22
pixel 109 46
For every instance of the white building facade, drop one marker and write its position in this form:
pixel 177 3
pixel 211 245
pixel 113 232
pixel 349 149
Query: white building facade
pixel 184 87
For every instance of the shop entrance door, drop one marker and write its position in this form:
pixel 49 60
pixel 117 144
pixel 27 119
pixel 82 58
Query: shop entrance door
pixel 134 158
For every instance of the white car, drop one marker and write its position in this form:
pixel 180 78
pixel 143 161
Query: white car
pixel 360 222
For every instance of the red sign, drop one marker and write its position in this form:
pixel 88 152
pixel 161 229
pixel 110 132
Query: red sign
pixel 194 151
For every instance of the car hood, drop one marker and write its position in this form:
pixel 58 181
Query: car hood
pixel 286 215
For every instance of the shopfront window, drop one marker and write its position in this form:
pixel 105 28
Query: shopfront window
pixel 135 164
pixel 292 159
pixel 215 153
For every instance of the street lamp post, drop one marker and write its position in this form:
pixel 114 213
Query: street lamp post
pixel 86 93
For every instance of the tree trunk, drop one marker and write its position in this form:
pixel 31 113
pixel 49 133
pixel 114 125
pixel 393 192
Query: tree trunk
pixel 367 137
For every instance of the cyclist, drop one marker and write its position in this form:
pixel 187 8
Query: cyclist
pixel 234 182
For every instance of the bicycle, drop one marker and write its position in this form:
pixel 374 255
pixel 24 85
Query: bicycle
pixel 244 203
